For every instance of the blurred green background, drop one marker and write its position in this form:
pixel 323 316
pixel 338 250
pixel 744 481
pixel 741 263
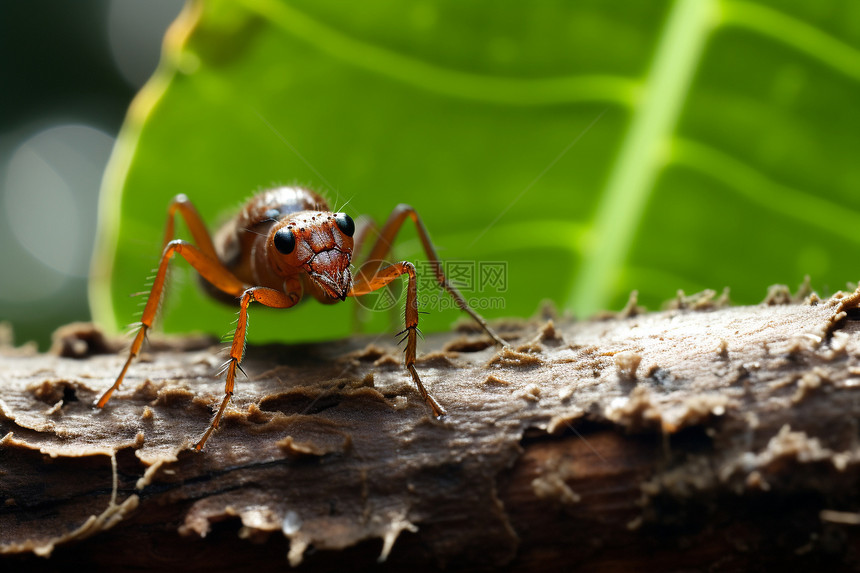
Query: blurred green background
pixel 593 147
pixel 68 71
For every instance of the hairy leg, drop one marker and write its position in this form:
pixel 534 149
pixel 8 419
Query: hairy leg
pixel 382 246
pixel 211 269
pixel 381 278
pixel 263 295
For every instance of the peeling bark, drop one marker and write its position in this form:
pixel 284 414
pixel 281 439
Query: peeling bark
pixel 701 437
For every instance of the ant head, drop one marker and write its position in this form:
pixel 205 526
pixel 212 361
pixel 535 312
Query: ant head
pixel 318 243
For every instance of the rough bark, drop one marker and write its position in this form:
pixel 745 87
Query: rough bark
pixel 703 437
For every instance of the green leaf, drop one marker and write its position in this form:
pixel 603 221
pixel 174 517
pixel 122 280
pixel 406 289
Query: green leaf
pixel 591 147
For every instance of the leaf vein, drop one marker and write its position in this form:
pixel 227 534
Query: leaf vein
pixel 453 83
pixel 758 188
pixel 799 35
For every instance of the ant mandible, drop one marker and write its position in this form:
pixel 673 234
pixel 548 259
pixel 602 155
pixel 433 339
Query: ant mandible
pixel 283 244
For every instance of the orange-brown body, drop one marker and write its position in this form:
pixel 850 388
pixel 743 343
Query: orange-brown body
pixel 283 244
pixel 242 244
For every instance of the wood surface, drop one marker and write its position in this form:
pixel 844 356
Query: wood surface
pixel 701 438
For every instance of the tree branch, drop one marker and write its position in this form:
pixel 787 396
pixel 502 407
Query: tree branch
pixel 700 437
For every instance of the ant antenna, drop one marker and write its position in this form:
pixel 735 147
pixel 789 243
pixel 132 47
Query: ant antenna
pixel 295 151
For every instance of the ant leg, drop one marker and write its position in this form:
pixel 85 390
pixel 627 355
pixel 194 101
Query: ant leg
pixel 208 267
pixel 268 297
pixel 204 240
pixel 383 246
pixel 195 224
pixel 381 278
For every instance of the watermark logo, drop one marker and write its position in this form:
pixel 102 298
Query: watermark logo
pixel 482 284
pixel 493 275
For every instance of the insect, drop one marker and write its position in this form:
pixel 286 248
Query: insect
pixel 284 244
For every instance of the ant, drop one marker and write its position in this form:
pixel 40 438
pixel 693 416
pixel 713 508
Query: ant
pixel 283 244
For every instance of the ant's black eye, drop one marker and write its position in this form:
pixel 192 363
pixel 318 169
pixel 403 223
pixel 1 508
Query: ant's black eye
pixel 285 241
pixel 345 224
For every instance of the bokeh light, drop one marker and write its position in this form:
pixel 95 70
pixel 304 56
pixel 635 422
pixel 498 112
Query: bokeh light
pixel 50 195
pixel 65 92
pixel 135 30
